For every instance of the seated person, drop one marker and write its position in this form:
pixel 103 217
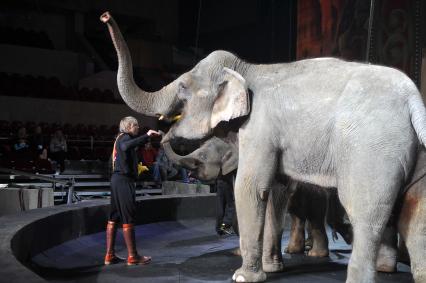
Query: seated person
pixel 38 144
pixel 147 155
pixel 163 168
pixel 58 149
pixel 21 147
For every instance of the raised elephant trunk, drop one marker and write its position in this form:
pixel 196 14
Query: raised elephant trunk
pixel 147 103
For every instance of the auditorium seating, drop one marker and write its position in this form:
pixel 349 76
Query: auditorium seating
pixel 85 142
pixel 51 88
pixel 20 36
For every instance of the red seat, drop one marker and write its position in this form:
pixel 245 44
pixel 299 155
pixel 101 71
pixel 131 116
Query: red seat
pixel 43 166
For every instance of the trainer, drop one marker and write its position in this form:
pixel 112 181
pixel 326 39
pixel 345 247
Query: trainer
pixel 123 198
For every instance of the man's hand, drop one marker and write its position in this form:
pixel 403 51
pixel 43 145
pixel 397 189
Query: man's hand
pixel 153 133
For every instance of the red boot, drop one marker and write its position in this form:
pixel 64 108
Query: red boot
pixel 111 231
pixel 129 237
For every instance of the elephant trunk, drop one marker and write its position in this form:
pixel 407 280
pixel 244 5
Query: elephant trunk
pixel 156 103
pixel 187 161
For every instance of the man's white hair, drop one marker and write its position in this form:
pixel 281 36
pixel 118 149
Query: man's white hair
pixel 126 123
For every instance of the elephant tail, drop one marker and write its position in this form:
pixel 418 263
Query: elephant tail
pixel 418 116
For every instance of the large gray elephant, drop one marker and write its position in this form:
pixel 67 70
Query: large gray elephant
pixel 220 155
pixel 322 121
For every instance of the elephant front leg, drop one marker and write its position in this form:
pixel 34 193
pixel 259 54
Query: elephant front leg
pixel 251 195
pixel 272 259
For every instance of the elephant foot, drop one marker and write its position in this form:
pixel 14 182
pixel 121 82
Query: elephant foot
pixel 242 275
pixel 271 267
pixel 318 253
pixel 294 249
pixel 360 273
pixel 386 268
pixel 419 276
pixel 386 260
pixel 236 252
pixel 273 264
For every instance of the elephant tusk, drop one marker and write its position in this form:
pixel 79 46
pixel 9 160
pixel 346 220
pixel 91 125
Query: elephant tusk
pixel 176 118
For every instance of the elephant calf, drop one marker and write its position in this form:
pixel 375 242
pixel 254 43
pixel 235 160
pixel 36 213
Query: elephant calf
pixel 314 206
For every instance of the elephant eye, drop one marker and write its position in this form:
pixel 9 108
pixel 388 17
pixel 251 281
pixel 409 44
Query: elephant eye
pixel 183 92
pixel 182 86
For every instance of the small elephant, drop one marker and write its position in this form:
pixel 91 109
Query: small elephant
pixel 323 121
pixel 310 207
pixel 220 157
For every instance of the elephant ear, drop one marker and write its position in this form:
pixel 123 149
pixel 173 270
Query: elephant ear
pixel 229 162
pixel 232 100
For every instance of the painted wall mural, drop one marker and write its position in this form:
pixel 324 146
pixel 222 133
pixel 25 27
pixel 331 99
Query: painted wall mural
pixel 339 28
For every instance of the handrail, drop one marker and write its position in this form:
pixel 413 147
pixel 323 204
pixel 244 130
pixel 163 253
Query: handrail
pixel 35 176
pixel 67 183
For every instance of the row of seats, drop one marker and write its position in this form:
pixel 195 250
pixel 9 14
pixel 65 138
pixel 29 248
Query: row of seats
pixel 101 153
pixel 78 131
pixel 20 36
pixel 52 88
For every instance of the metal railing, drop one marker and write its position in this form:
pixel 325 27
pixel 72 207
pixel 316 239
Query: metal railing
pixel 67 183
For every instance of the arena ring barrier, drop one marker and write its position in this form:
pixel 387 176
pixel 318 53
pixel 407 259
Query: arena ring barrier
pixel 26 234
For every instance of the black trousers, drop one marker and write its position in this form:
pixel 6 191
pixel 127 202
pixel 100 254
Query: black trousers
pixel 225 204
pixel 123 199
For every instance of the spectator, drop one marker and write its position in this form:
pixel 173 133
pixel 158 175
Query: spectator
pixel 148 154
pixel 163 168
pixel 38 144
pixel 58 149
pixel 184 174
pixel 21 146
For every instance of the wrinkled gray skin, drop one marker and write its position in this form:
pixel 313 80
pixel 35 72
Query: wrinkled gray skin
pixel 323 121
pixel 412 220
pixel 219 155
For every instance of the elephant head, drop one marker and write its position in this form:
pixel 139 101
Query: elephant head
pixel 213 91
pixel 214 157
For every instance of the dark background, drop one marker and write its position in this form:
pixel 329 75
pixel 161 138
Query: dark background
pixel 58 65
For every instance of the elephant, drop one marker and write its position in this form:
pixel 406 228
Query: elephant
pixel 217 156
pixel 220 156
pixel 323 121
pixel 310 208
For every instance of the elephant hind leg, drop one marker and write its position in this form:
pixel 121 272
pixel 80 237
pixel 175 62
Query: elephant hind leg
pixel 320 241
pixel 297 210
pixel 387 255
pixel 296 243
pixel 317 208
pixel 412 228
pixel 368 195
